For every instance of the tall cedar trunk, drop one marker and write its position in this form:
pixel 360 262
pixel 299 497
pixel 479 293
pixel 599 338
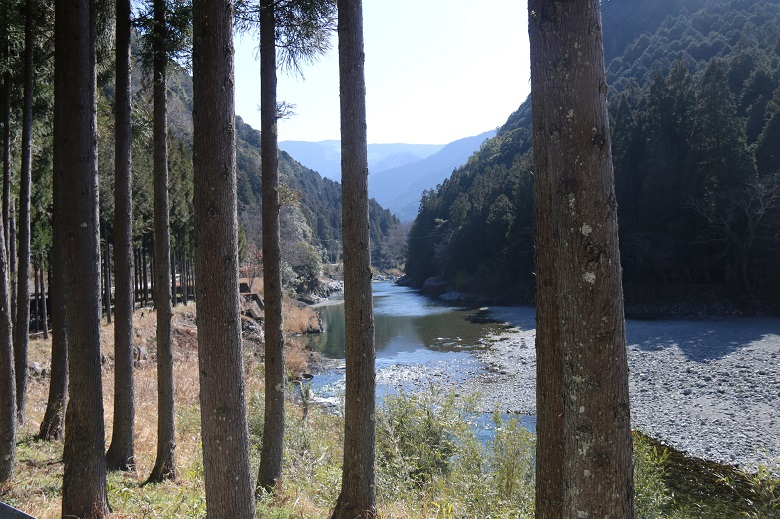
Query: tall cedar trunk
pixel 174 295
pixel 51 425
pixel 226 468
pixel 358 492
pixel 107 280
pixel 152 281
pixel 144 277
pixel 44 300
pixel 164 467
pixel 37 298
pixel 273 426
pixel 7 148
pixel 7 382
pixel 146 282
pixel 75 149
pixel 185 289
pixel 571 141
pixel 121 453
pixel 12 261
pixel 549 366
pixel 22 323
pixel 136 276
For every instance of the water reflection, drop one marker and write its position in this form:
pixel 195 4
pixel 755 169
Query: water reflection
pixel 407 324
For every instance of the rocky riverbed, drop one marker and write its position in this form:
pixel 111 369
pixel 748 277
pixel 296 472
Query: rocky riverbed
pixel 710 388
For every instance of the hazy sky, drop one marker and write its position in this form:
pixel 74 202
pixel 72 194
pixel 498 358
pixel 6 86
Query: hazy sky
pixel 436 71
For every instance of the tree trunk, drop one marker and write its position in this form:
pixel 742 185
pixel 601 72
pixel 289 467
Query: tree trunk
pixel 358 491
pixel 107 280
pixel 7 378
pixel 152 279
pixel 273 426
pixel 174 295
pixel 164 467
pixel 22 323
pixel 7 148
pixel 185 277
pixel 75 141
pixel 226 468
pixel 144 277
pixel 51 426
pixel 136 276
pixel 12 271
pixel 121 453
pixel 549 366
pixel 571 142
pixel 37 299
pixel 44 310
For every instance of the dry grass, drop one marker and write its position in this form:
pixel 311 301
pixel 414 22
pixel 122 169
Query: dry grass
pixel 35 487
pixel 298 319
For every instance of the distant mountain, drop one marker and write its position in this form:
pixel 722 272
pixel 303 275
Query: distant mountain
pixel 399 189
pixel 318 212
pixel 316 217
pixel 324 157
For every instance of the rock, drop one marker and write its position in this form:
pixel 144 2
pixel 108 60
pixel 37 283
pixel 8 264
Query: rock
pixel 36 370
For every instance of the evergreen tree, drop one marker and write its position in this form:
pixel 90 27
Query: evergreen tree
pixel 121 452
pixel 358 489
pixel 226 467
pixel 592 474
pixel 84 480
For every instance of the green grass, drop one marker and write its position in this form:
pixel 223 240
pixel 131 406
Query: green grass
pixel 430 464
pixel 705 490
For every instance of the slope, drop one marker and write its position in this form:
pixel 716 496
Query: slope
pixel 694 103
pixel 399 188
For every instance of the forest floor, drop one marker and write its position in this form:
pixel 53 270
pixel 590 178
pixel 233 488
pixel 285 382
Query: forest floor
pixel 35 487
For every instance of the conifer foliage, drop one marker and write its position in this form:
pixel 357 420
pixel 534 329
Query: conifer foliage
pixel 693 96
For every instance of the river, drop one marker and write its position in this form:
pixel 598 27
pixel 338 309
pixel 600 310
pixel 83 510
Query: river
pixel 707 386
pixel 419 342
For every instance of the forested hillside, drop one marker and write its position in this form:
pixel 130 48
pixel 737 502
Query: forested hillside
pixel 311 216
pixel 694 104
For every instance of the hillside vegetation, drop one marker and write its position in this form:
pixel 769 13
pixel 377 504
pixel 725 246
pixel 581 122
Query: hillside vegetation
pixel 694 104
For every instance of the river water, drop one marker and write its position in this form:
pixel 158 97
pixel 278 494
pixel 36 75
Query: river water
pixel 419 342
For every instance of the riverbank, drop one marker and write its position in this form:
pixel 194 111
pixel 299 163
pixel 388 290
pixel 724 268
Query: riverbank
pixel 709 388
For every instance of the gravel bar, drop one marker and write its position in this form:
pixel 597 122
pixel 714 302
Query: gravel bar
pixel 707 387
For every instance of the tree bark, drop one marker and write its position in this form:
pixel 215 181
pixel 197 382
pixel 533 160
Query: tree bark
pixel 37 298
pixel 174 295
pixel 144 276
pixel 7 378
pixel 107 280
pixel 571 144
pixel 358 491
pixel 121 453
pixel 75 140
pixel 185 277
pixel 7 147
pixel 226 468
pixel 164 467
pixel 549 365
pixel 44 300
pixel 51 425
pixel 12 266
pixel 22 323
pixel 273 426
pixel 136 276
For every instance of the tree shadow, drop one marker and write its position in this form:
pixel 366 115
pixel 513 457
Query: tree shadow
pixel 702 340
